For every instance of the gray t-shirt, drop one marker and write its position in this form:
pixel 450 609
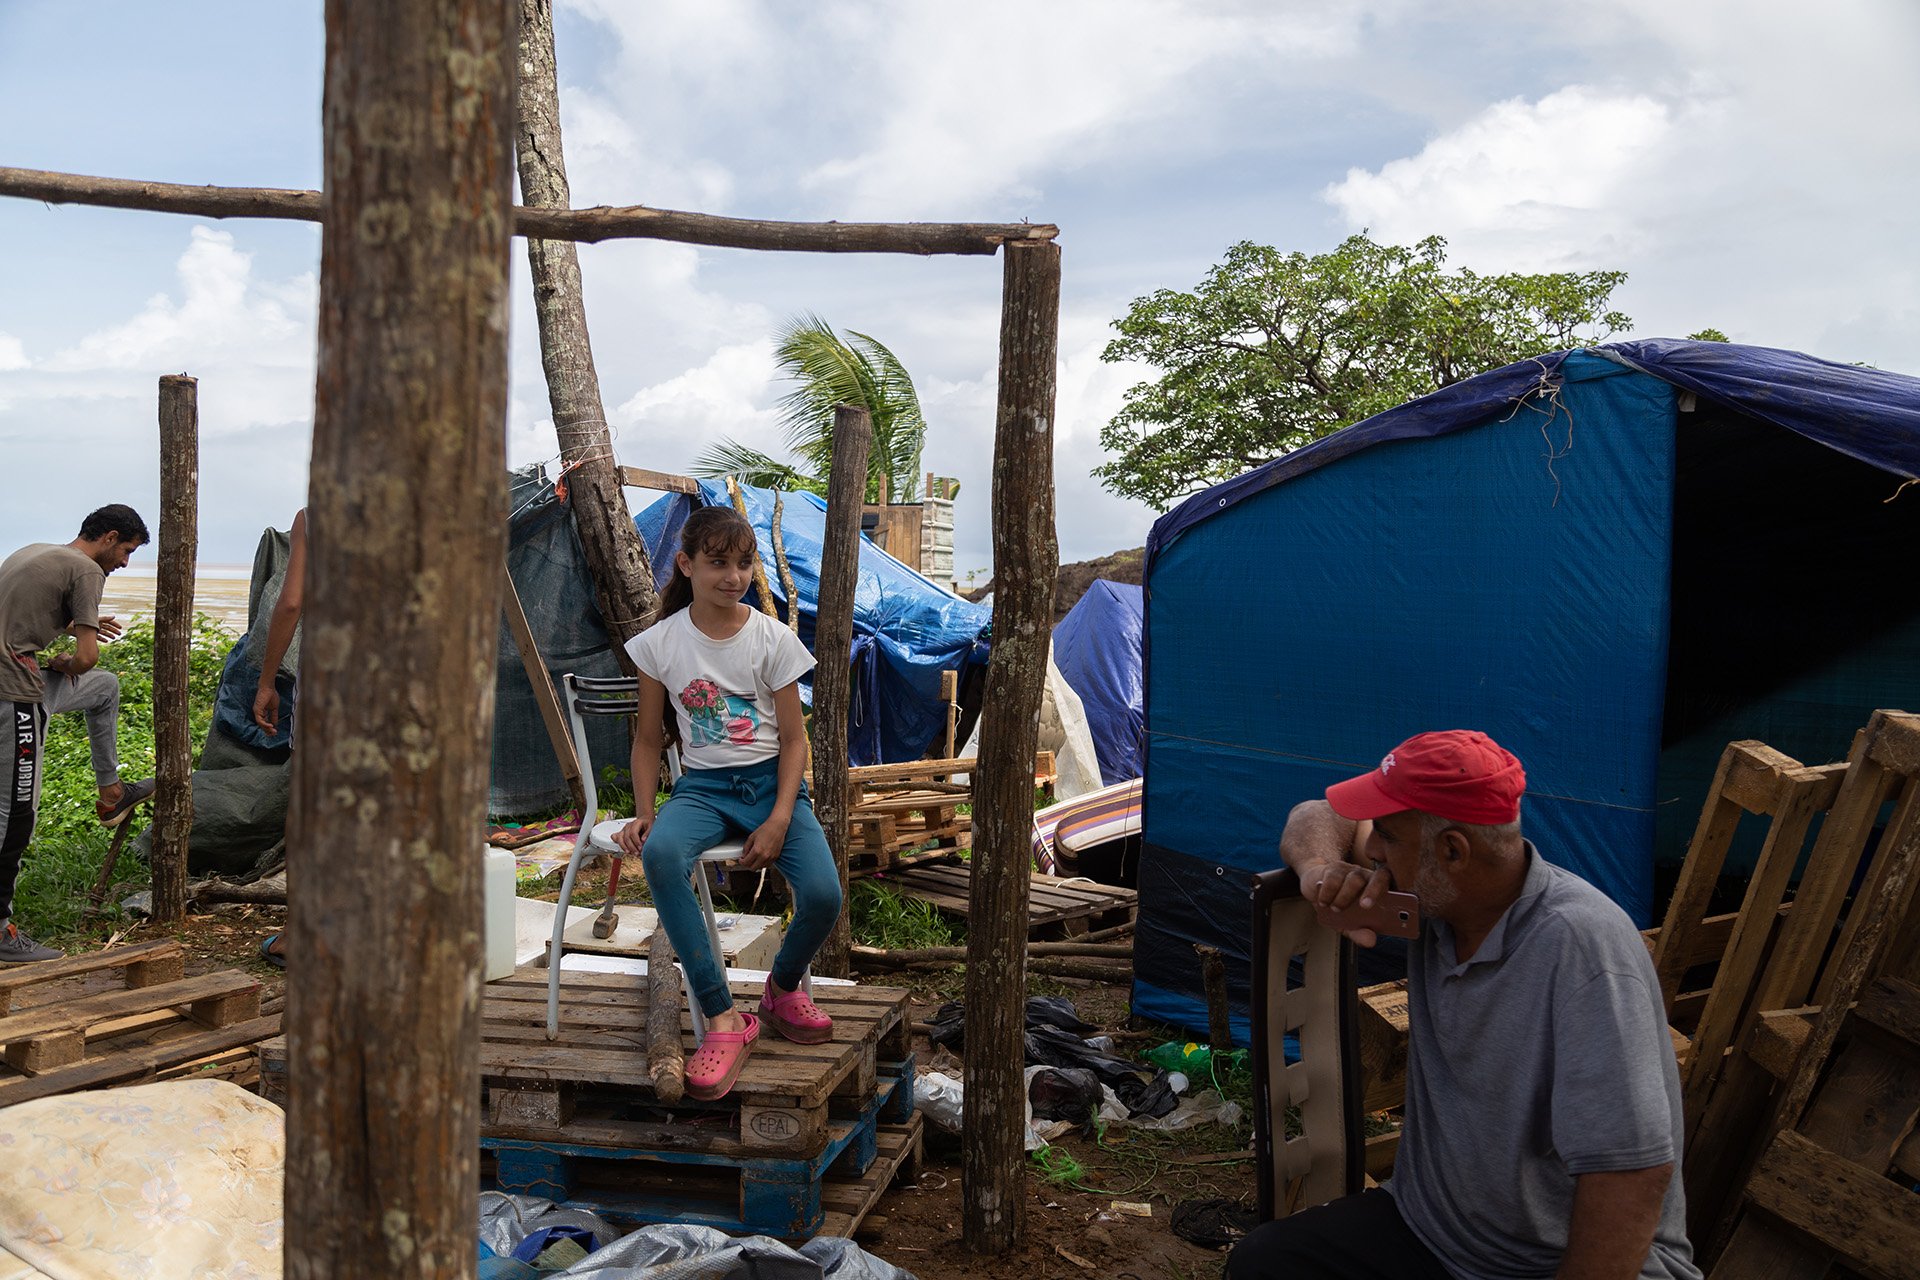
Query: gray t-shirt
pixel 44 589
pixel 1544 1057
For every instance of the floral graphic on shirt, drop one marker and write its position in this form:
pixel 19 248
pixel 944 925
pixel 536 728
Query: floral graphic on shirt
pixel 718 718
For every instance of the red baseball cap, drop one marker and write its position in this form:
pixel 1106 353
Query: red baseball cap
pixel 1458 774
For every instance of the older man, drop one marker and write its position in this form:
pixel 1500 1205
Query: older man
pixel 1543 1120
pixel 45 590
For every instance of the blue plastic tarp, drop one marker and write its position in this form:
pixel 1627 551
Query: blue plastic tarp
pixel 1097 648
pixel 1499 555
pixel 906 628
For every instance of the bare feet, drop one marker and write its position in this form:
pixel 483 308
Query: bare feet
pixel 731 1020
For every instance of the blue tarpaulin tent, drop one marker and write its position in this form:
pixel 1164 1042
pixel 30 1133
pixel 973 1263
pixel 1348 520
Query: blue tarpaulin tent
pixel 906 629
pixel 1097 648
pixel 1614 560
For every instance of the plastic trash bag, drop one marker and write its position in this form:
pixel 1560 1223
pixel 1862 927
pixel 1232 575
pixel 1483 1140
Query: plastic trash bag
pixel 949 1021
pixel 1064 1093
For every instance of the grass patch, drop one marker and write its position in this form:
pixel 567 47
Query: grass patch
pixel 880 917
pixel 68 840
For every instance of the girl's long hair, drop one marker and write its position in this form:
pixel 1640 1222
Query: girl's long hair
pixel 708 531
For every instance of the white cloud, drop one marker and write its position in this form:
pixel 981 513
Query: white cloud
pixel 1542 177
pixel 13 355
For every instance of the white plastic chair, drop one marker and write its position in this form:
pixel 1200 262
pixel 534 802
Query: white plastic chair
pixel 618 697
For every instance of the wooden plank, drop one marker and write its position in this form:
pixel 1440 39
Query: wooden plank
pixel 1870 1222
pixel 929 769
pixel 1749 779
pixel 1726 1006
pixel 848 1200
pixel 1382 1148
pixel 1383 1018
pixel 1893 1005
pixel 1888 892
pixel 662 481
pixel 1789 976
pixel 12 980
pixel 79 1014
pixel 1777 1036
pixel 137 1065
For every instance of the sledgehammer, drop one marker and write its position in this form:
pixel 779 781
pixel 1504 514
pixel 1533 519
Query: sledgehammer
pixel 608 920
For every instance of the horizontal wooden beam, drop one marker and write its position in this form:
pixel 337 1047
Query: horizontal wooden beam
pixel 1870 1221
pixel 664 481
pixel 629 222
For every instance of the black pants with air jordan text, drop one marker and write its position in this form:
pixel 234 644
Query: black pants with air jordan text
pixel 26 727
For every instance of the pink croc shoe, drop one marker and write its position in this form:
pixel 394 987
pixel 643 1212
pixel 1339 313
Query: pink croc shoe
pixel 795 1016
pixel 716 1064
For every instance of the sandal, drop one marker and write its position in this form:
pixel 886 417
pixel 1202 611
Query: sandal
pixel 278 959
pixel 795 1016
pixel 716 1064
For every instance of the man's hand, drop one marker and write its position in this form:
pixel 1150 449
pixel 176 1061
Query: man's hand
pixel 266 709
pixel 1333 886
pixel 110 628
pixel 632 838
pixel 764 845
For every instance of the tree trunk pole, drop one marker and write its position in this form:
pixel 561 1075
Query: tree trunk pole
pixel 1213 980
pixel 407 506
pixel 1025 558
pixel 738 497
pixel 616 557
pixel 786 570
pixel 832 645
pixel 666 1048
pixel 173 642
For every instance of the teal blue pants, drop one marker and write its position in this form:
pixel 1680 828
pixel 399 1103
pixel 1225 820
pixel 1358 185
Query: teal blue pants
pixel 710 806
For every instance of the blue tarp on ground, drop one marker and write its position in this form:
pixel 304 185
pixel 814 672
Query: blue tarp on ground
pixel 906 629
pixel 1614 561
pixel 1097 648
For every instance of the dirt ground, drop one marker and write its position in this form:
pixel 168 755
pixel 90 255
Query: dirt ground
pixel 1072 1229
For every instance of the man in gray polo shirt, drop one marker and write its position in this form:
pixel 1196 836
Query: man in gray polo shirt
pixel 1543 1119
pixel 45 590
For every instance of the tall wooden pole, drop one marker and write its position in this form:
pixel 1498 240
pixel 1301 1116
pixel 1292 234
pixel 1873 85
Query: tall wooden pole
pixel 832 644
pixel 616 557
pixel 407 512
pixel 173 642
pixel 1025 558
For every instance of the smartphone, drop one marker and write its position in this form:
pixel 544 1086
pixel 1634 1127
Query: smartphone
pixel 1395 915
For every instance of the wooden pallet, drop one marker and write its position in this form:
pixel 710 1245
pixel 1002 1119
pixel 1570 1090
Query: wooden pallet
pixel 157 1025
pixel 1729 1126
pixel 896 808
pixel 623 1171
pixel 781 1105
pixel 1054 905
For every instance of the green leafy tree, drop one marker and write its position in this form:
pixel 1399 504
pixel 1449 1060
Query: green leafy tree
pixel 1710 334
pixel 829 371
pixel 1275 350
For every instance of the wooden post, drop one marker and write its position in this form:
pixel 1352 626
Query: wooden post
pixel 761 590
pixel 666 1049
pixel 173 643
pixel 616 557
pixel 1213 980
pixel 396 686
pixel 552 714
pixel 786 570
pixel 1025 557
pixel 832 643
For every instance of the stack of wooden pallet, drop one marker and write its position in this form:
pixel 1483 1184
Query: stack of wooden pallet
pixel 149 1023
pixel 895 808
pixel 805 1144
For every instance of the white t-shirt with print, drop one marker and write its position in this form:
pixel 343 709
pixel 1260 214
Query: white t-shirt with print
pixel 722 689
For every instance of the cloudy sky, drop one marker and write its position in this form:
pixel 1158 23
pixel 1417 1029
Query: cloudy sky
pixel 1750 163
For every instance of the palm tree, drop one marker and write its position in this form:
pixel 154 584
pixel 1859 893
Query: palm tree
pixel 830 371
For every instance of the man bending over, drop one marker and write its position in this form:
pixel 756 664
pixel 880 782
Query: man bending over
pixel 47 589
pixel 1543 1123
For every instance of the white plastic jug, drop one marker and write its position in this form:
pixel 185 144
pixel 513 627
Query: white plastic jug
pixel 499 912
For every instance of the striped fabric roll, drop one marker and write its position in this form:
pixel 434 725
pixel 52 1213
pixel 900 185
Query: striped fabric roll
pixel 1084 822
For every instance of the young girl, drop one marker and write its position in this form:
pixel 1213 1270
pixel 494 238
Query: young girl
pixel 720 678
